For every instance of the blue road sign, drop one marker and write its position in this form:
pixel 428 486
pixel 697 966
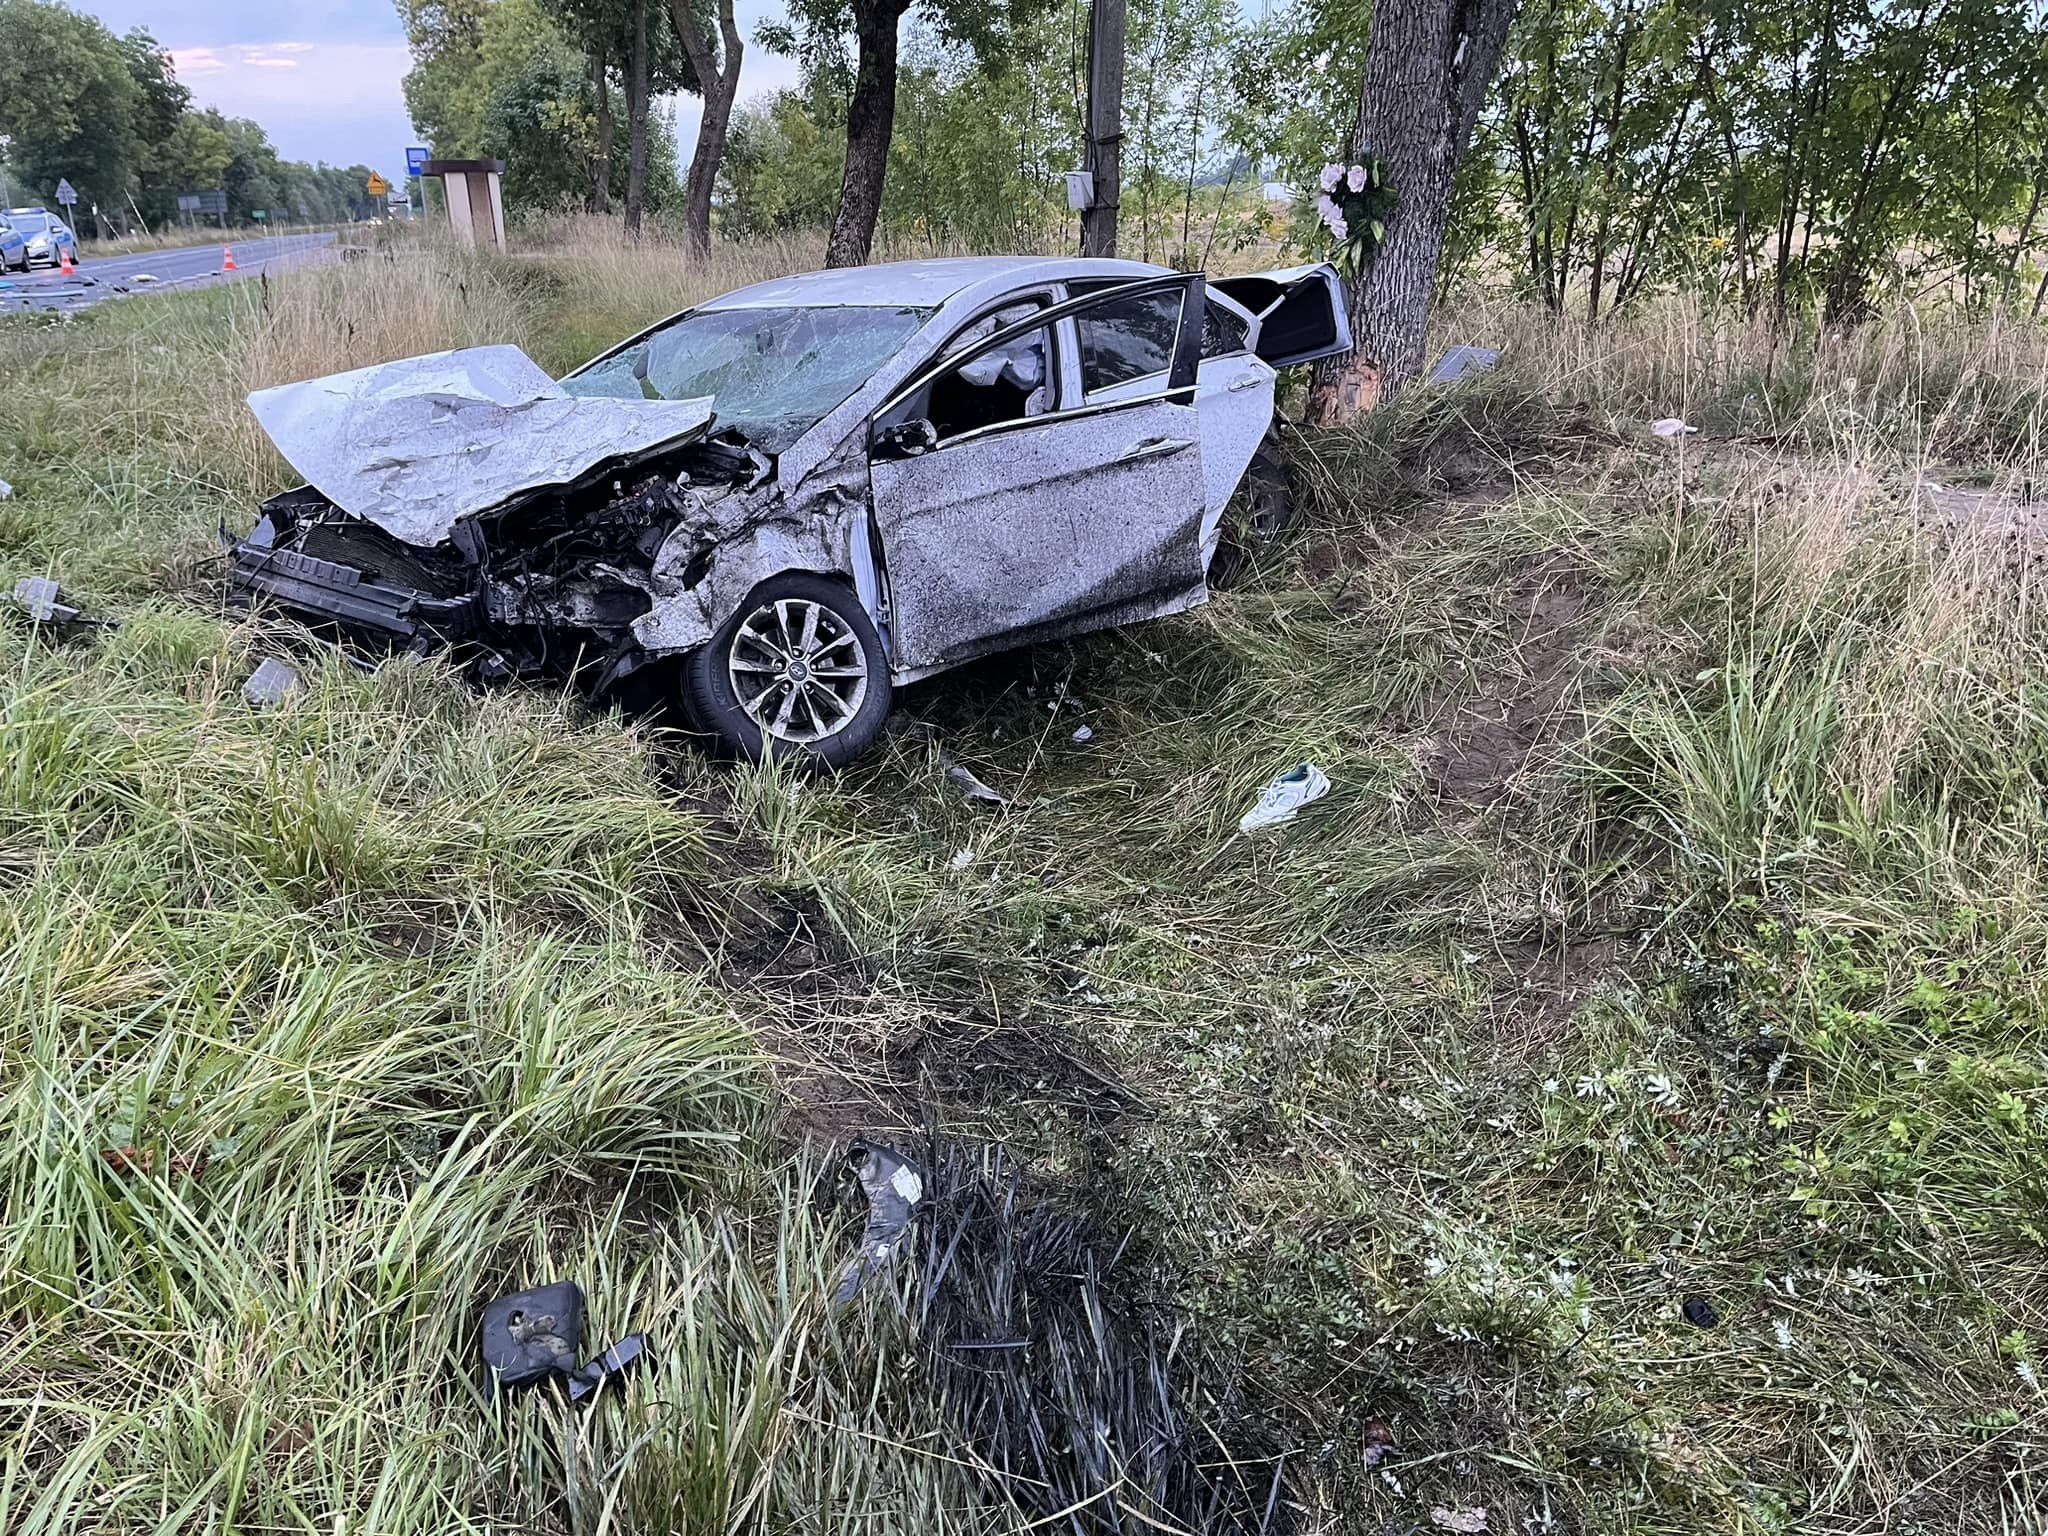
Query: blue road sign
pixel 415 160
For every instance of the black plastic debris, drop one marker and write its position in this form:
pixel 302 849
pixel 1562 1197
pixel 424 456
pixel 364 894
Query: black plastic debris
pixel 1459 361
pixel 531 1335
pixel 1699 1312
pixel 893 1189
pixel 535 1335
pixel 616 1361
pixel 40 598
pixel 272 682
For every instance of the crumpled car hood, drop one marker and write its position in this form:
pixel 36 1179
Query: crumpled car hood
pixel 417 445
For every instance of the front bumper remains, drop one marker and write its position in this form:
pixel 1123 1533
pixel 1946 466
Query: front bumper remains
pixel 329 592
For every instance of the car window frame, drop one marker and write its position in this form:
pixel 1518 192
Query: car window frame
pixel 1102 288
pixel 1179 374
pixel 946 361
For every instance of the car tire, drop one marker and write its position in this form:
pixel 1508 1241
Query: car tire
pixel 1260 515
pixel 843 686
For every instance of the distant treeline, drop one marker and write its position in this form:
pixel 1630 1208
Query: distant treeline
pixel 109 115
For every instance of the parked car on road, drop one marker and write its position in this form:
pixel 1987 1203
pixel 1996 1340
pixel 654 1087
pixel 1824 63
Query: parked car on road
pixel 13 248
pixel 812 490
pixel 46 235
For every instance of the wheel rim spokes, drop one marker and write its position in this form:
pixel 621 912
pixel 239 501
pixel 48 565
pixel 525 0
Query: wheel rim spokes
pixel 797 670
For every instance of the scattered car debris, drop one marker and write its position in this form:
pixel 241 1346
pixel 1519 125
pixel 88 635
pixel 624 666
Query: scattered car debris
pixel 145 277
pixel 969 786
pixel 1083 733
pixel 273 681
pixel 1280 800
pixel 1468 1522
pixel 616 1361
pixel 6 491
pixel 1459 361
pixel 40 598
pixel 1671 426
pixel 1699 1312
pixel 893 1189
pixel 809 491
pixel 533 1336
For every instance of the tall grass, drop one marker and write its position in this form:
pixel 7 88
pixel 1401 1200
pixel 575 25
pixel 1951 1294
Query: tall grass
pixel 1643 1132
pixel 1937 382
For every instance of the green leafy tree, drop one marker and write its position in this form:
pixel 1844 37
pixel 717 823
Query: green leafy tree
pixel 68 103
pixel 448 86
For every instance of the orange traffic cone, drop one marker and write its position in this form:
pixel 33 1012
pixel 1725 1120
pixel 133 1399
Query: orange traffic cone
pixel 227 258
pixel 64 260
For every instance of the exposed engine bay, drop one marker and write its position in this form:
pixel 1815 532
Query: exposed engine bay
pixel 547 585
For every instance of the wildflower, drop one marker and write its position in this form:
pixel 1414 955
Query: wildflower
pixel 1355 178
pixel 1551 1085
pixel 1332 174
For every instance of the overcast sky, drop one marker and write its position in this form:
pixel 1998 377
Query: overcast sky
pixel 322 76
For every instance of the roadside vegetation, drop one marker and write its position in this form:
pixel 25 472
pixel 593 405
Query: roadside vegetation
pixel 1621 1105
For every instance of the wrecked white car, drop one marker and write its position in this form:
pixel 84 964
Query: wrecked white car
pixel 808 491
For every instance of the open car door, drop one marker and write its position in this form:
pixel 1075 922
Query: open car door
pixel 1297 313
pixel 1022 494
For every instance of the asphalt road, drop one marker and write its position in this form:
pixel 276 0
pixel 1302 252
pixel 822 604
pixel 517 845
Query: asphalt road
pixel 111 277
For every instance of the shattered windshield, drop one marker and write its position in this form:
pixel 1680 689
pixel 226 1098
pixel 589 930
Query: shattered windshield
pixel 772 373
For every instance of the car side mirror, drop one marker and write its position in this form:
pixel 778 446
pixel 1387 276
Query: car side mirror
pixel 906 439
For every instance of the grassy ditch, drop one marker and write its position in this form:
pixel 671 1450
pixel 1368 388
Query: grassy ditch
pixel 1620 1106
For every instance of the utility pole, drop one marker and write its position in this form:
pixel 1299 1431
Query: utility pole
pixel 1105 125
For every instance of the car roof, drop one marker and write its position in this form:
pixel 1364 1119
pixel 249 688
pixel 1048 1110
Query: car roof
pixel 925 284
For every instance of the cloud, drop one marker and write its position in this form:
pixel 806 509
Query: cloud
pixel 262 61
pixel 197 61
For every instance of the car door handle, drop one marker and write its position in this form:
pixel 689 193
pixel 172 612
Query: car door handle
pixel 1249 381
pixel 1151 447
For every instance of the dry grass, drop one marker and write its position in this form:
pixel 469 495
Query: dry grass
pixel 1433 1111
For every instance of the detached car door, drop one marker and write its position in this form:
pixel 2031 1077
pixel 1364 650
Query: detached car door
pixel 1017 499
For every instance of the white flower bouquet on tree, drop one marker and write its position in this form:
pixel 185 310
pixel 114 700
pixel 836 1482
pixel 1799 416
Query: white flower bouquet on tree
pixel 1353 204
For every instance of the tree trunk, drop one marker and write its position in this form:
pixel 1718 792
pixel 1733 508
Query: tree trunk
pixel 1104 127
pixel 601 175
pixel 870 120
pixel 718 77
pixel 636 122
pixel 1597 278
pixel 1428 66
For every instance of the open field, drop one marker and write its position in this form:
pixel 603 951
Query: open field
pixel 1621 1106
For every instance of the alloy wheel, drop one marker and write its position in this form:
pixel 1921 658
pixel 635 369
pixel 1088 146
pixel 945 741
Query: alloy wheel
pixel 797 669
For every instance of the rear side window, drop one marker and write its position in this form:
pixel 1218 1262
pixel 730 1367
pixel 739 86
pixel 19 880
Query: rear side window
pixel 1223 330
pixel 1128 338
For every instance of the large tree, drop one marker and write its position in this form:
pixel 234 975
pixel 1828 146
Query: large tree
pixel 1428 64
pixel 718 81
pixel 815 33
pixel 628 35
pixel 870 121
pixel 68 104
